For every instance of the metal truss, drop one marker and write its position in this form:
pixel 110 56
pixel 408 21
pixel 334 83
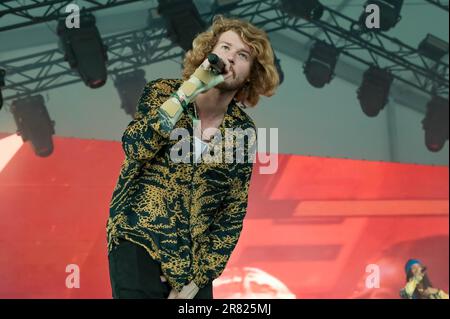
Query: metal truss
pixel 130 50
pixel 35 12
pixel 439 4
pixel 48 70
pixel 371 48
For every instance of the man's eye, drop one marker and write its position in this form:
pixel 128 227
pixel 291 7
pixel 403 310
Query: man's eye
pixel 225 47
pixel 244 56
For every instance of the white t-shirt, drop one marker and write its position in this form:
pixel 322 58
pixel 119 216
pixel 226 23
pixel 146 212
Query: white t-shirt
pixel 199 148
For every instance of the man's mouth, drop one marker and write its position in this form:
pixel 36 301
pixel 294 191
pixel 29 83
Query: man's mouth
pixel 233 73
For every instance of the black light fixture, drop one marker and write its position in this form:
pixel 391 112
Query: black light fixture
pixel 374 91
pixel 433 48
pixel 322 60
pixel 183 21
pixel 224 6
pixel 389 13
pixel 435 123
pixel 305 9
pixel 84 50
pixel 129 86
pixel 2 84
pixel 34 124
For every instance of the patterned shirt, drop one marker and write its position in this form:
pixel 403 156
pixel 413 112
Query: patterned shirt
pixel 187 215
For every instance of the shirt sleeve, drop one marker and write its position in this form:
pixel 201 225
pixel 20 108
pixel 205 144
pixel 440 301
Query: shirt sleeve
pixel 144 136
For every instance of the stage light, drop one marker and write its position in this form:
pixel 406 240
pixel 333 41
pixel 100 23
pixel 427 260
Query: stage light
pixel 432 47
pixel 129 86
pixel 435 124
pixel 84 50
pixel 389 13
pixel 183 21
pixel 34 124
pixel 2 84
pixel 223 6
pixel 306 9
pixel 319 68
pixel 374 91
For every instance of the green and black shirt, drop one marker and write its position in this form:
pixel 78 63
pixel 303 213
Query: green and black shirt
pixel 187 215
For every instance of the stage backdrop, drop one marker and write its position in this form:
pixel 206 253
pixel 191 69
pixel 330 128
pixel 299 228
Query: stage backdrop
pixel 317 228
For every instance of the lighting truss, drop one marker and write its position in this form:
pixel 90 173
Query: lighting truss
pixel 130 50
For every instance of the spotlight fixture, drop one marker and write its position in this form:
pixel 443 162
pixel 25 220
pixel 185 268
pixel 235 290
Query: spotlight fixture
pixel 305 9
pixel 84 50
pixel 129 86
pixel 389 11
pixel 319 68
pixel 34 124
pixel 435 123
pixel 374 91
pixel 183 21
pixel 433 48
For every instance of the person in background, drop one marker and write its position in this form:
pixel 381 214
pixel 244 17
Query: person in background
pixel 418 284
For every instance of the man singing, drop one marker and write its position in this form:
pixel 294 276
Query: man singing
pixel 174 223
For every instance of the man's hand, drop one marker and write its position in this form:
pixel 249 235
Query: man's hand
pixel 173 294
pixel 187 292
pixel 205 72
pixel 229 72
pixel 202 80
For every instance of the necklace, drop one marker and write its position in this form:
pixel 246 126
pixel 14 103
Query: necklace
pixel 197 120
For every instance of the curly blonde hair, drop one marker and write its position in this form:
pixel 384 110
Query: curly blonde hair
pixel 264 77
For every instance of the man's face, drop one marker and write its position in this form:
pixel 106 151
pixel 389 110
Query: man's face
pixel 237 55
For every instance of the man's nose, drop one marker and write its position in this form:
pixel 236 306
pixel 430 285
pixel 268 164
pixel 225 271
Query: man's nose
pixel 230 57
pixel 229 60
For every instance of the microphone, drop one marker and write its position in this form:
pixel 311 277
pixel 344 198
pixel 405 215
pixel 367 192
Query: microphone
pixel 217 64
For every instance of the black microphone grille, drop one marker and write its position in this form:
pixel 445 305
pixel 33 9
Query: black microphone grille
pixel 213 58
